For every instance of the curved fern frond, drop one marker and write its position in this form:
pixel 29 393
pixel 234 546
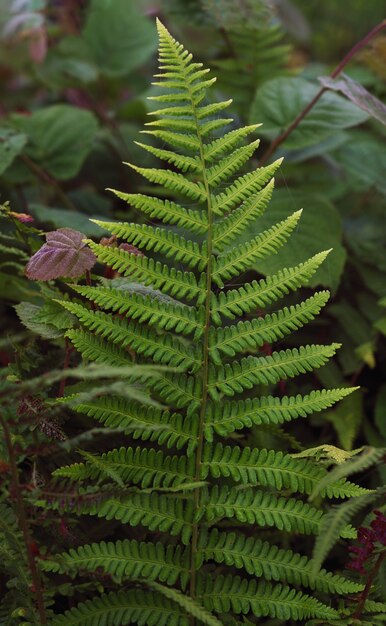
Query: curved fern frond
pixel 261 559
pixel 137 606
pixel 169 212
pixel 234 378
pixel 139 466
pixel 125 559
pixel 268 468
pixel 172 180
pixel 232 593
pixel 230 164
pixel 146 423
pixel 228 142
pixel 150 272
pixel 242 257
pixel 260 293
pixel 235 415
pixel 164 348
pixel 160 240
pixel 164 314
pixel 250 335
pixel 96 349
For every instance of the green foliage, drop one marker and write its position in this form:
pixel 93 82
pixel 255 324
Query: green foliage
pixel 184 500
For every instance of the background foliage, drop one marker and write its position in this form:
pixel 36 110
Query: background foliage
pixel 74 81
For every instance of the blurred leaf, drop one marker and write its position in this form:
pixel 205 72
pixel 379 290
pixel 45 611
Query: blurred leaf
pixel 60 218
pixel 364 161
pixel 27 313
pixel 63 255
pixel 59 137
pixel 11 144
pixel 319 229
pixel 357 94
pixel 279 101
pixel 119 37
pixel 380 411
pixel 346 419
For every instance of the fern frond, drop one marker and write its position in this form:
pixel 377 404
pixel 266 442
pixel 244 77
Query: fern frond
pixel 183 162
pixel 180 391
pixel 96 349
pixel 164 314
pixel 236 415
pixel 173 181
pixel 164 348
pixel 150 272
pixel 242 257
pixel 232 593
pixel 234 378
pixel 182 140
pixel 242 188
pixel 190 605
pixel 258 294
pixel 230 227
pixel 146 467
pixel 125 559
pixel 169 212
pixel 261 559
pixel 160 240
pixel 228 142
pixel 144 608
pixel 146 423
pixel 250 335
pixel 264 509
pixel 230 164
pixel 169 514
pixel 269 468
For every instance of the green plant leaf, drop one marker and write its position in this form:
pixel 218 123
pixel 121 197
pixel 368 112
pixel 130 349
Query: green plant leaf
pixel 11 144
pixel 357 94
pixel 279 101
pixel 119 37
pixel 59 137
pixel 64 218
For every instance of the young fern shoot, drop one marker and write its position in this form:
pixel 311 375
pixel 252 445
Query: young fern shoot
pixel 196 493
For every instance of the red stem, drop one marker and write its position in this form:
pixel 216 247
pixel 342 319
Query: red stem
pixel 358 46
pixel 364 595
pixel 23 522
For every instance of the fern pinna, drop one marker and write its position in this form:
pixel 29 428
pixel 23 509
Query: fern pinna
pixel 200 498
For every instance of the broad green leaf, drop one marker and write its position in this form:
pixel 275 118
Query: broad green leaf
pixel 119 37
pixel 319 229
pixel 279 101
pixel 27 314
pixel 59 138
pixel 11 144
pixel 363 159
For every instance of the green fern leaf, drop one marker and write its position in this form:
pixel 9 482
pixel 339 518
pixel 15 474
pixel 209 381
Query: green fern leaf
pixel 167 211
pixel 125 559
pixel 261 559
pixel 263 292
pixel 250 335
pixel 242 257
pixel 192 607
pixel 124 607
pixel 160 240
pixel 234 378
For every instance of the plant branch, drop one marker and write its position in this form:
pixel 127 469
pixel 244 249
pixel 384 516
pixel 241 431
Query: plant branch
pixel 364 595
pixel 358 46
pixel 23 522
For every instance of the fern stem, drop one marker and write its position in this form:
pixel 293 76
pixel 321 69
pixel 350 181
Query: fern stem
pixel 346 59
pixel 205 364
pixel 369 583
pixel 23 522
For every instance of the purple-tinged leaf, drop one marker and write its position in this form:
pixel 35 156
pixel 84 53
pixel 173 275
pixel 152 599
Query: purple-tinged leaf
pixel 64 255
pixel 357 94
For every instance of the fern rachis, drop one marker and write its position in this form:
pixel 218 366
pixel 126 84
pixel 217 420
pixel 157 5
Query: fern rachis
pixel 194 481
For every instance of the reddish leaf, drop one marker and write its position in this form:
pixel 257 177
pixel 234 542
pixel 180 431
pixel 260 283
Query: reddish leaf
pixel 64 255
pixel 357 94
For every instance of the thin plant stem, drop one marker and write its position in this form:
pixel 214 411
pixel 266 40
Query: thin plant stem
pixel 23 522
pixel 369 583
pixel 67 356
pixel 358 46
